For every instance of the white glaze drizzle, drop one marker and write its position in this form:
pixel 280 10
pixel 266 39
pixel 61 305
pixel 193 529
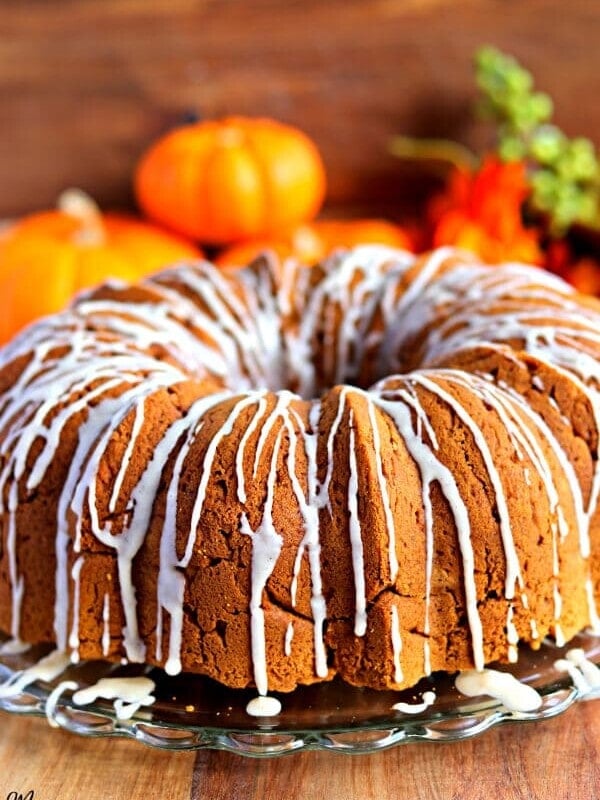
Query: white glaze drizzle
pixel 128 542
pixel 266 547
pixel 310 508
pixel 428 699
pixel 46 669
pixel 353 284
pixel 289 636
pixel 404 314
pixel 13 647
pixel 512 635
pixel 356 544
pixel 54 697
pixel 513 570
pixel 128 694
pixel 583 672
pixel 74 635
pixel 171 582
pixel 526 304
pixel 82 371
pixel 262 706
pixel 385 497
pixel 396 637
pixel 504 402
pixel 432 470
pixel 135 432
pixel 514 695
pixel 17 581
pixel 106 625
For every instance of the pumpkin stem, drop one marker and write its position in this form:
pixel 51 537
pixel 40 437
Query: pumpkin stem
pixel 79 205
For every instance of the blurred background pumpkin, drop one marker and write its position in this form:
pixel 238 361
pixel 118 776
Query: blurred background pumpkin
pixel 228 180
pixel 47 257
pixel 311 242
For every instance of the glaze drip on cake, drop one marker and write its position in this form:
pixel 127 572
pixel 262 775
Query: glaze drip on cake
pixel 194 472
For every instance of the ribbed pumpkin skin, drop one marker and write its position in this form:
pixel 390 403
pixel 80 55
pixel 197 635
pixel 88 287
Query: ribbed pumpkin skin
pixel 224 181
pixel 45 261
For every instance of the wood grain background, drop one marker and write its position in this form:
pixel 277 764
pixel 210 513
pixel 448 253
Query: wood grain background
pixel 86 84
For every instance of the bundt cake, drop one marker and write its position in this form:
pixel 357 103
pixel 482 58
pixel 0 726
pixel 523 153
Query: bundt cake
pixel 375 468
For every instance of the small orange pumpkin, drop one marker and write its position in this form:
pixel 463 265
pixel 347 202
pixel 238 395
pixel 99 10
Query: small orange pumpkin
pixel 351 232
pixel 224 181
pixel 46 258
pixel 302 243
pixel 312 242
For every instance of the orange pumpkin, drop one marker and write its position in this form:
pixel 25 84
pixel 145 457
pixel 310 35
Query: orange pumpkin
pixel 348 233
pixel 48 257
pixel 228 180
pixel 312 242
pixel 301 243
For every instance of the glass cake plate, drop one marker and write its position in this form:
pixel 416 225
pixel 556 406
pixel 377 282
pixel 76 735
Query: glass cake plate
pixel 192 712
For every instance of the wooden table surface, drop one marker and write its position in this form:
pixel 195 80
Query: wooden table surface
pixel 557 759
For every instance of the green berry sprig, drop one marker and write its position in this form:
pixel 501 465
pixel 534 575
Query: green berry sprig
pixel 564 173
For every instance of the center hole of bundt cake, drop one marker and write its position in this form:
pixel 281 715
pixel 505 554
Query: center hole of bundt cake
pixel 289 327
pixel 329 362
pixel 311 374
pixel 312 380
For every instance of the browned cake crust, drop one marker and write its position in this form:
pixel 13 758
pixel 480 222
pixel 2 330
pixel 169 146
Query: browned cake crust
pixel 195 473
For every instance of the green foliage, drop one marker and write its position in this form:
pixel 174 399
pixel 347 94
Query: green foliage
pixel 564 172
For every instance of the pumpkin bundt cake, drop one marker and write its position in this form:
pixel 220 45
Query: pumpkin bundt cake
pixel 378 467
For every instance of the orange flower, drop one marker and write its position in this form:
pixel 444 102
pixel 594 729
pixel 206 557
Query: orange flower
pixel 582 272
pixel 482 211
pixel 584 275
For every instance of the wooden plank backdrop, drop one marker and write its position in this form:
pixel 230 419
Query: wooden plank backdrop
pixel 85 85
